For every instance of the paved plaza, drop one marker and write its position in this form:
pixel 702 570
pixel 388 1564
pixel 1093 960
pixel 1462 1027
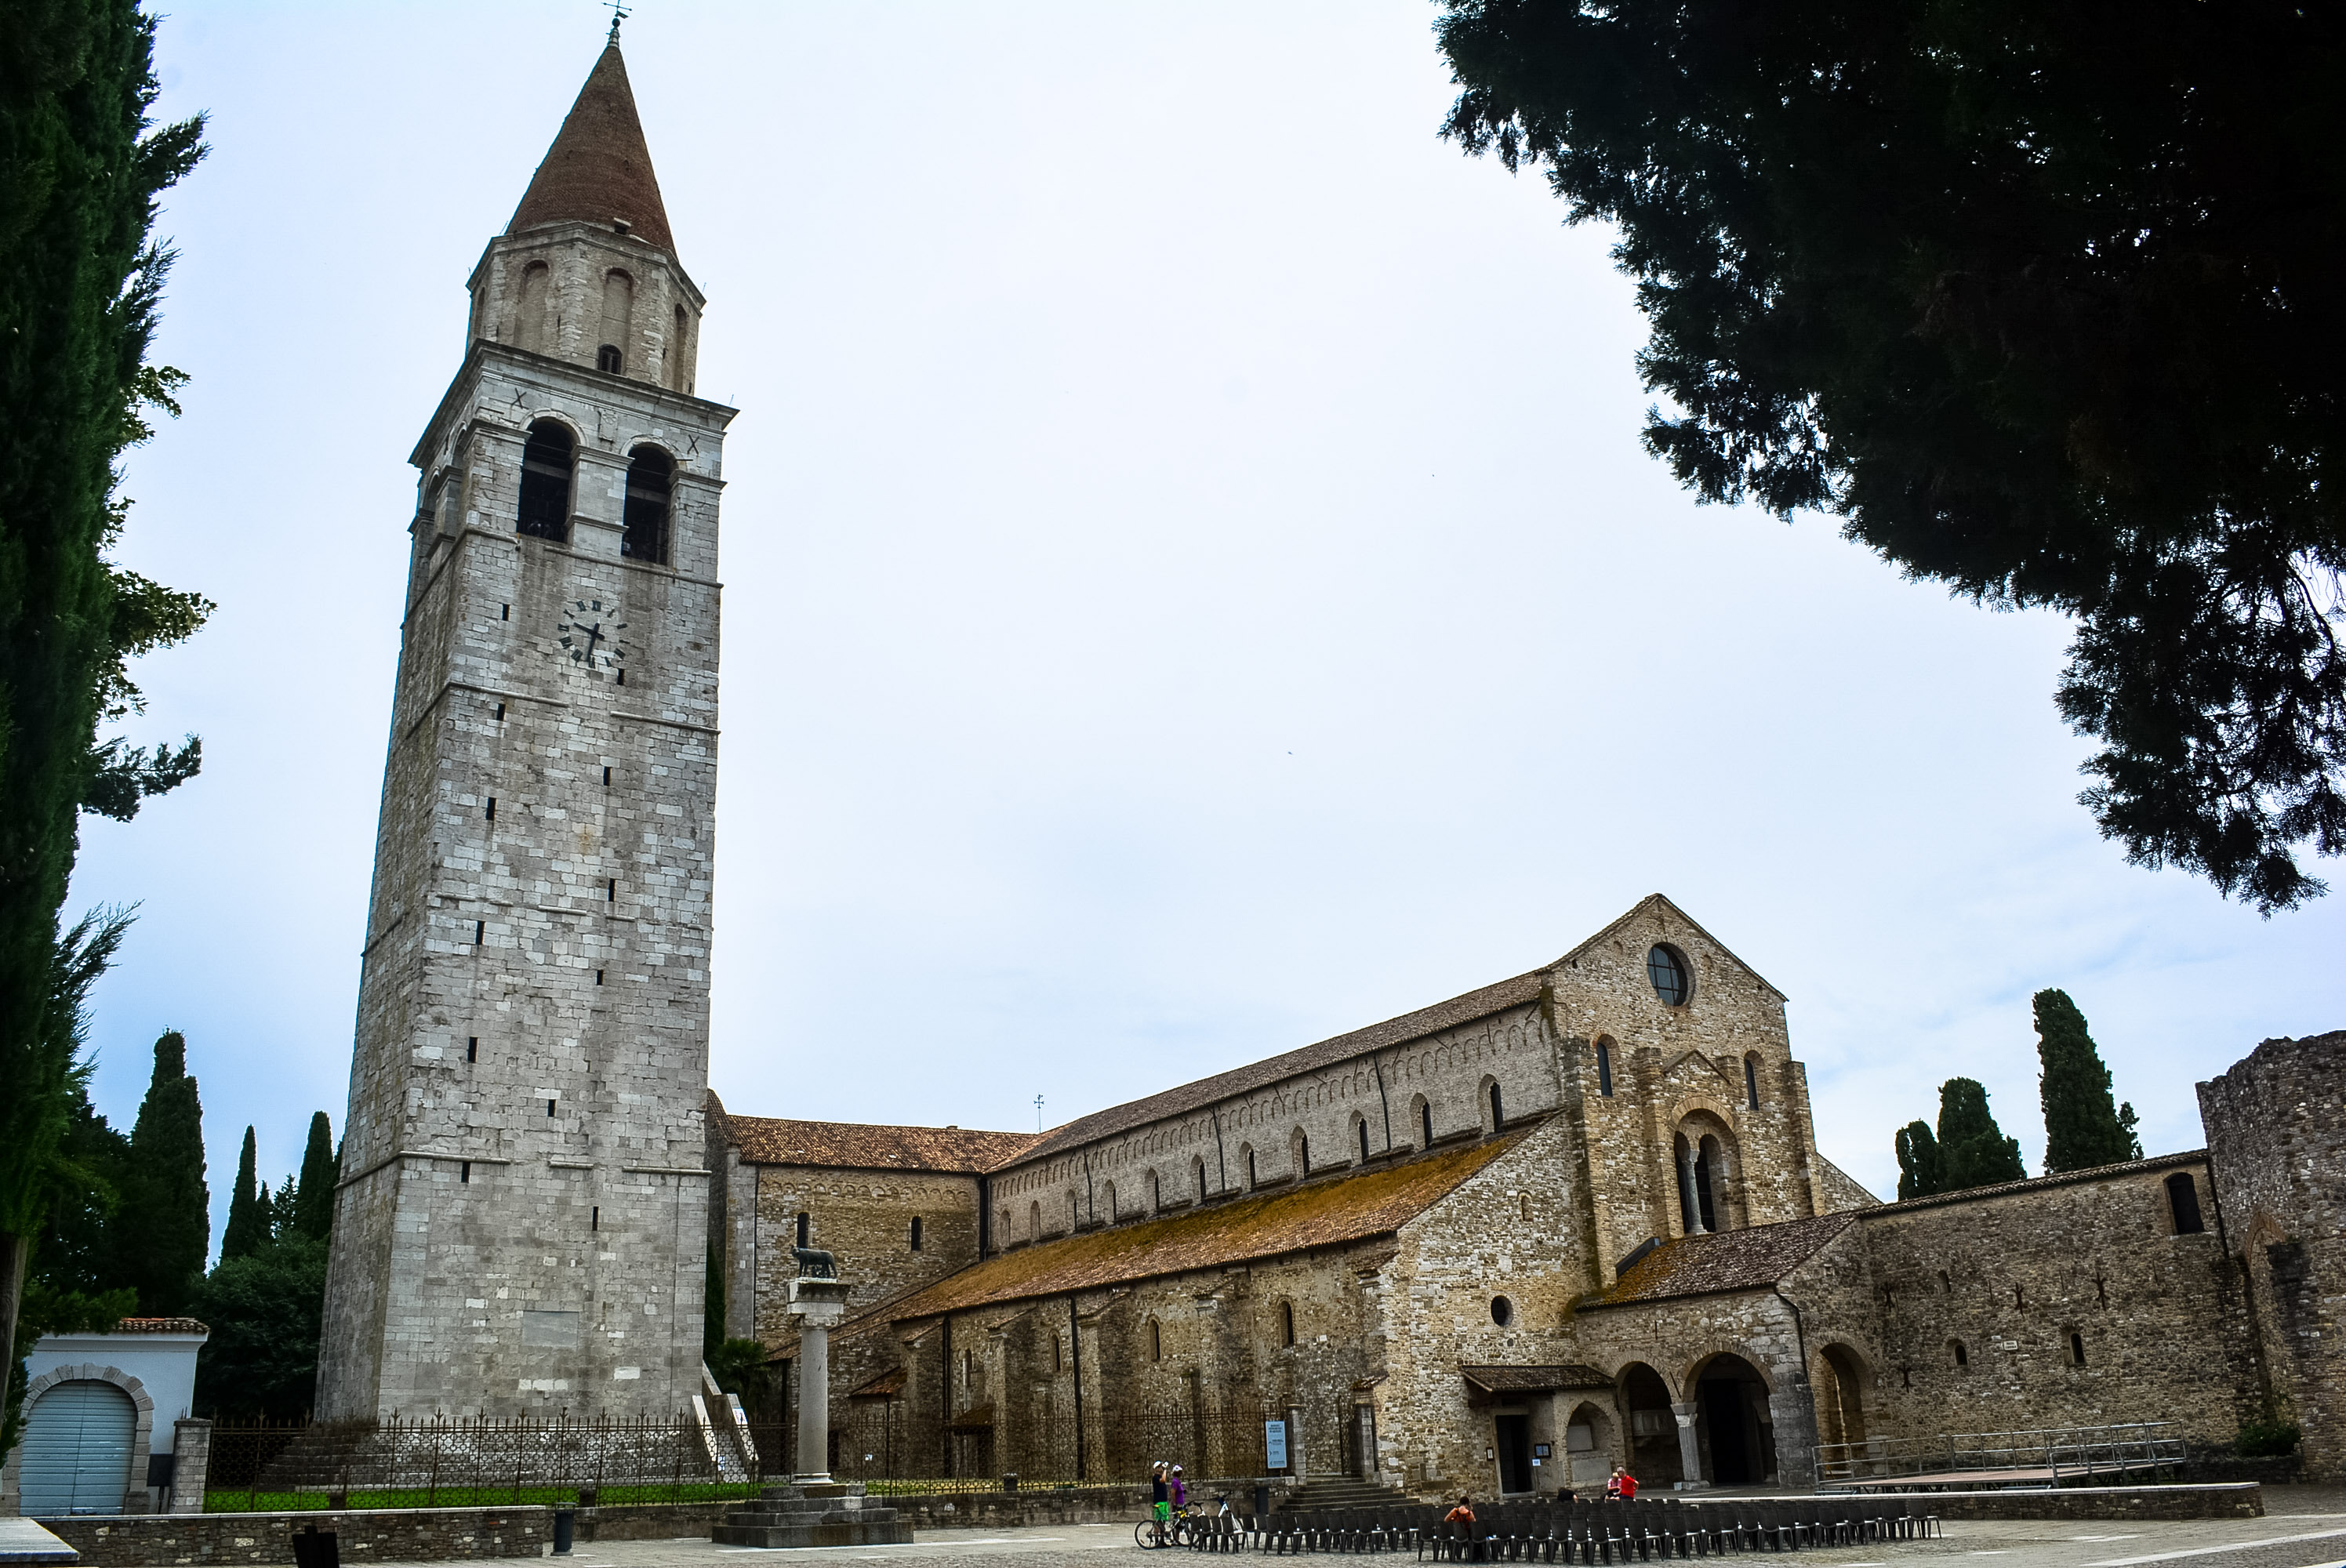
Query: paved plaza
pixel 2304 1526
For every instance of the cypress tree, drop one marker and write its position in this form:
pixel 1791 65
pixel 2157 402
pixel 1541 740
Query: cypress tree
pixel 168 1226
pixel 1972 1150
pixel 2082 1127
pixel 1918 1161
pixel 80 168
pixel 248 1211
pixel 314 1202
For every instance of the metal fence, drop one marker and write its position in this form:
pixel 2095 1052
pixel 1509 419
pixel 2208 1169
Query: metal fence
pixel 444 1463
pixel 2052 1456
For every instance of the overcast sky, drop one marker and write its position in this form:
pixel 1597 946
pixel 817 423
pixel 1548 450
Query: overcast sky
pixel 1192 587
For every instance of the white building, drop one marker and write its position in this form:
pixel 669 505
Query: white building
pixel 101 1410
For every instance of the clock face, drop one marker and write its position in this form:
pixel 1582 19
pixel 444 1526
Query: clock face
pixel 590 634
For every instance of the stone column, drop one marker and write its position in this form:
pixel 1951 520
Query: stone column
pixel 1689 1450
pixel 191 1463
pixel 1686 1194
pixel 817 1304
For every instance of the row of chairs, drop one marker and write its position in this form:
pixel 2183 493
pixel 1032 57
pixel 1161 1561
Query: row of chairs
pixel 1583 1533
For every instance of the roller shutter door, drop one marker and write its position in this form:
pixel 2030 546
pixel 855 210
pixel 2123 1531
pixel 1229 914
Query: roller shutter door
pixel 77 1450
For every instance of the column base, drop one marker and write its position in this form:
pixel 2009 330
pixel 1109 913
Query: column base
pixel 809 1513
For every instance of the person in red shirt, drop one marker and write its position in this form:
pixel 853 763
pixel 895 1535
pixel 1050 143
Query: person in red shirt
pixel 1622 1487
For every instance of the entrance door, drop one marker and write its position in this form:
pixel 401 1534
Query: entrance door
pixel 1722 1420
pixel 1515 1449
pixel 77 1450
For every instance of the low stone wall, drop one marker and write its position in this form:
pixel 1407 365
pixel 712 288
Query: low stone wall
pixel 2242 1500
pixel 653 1520
pixel 365 1535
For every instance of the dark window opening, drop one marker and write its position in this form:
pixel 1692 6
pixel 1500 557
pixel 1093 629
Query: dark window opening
pixel 491 813
pixel 1363 1128
pixel 1963 1356
pixel 1667 974
pixel 1945 1283
pixel 623 677
pixel 606 777
pixel 501 713
pixel 1287 1322
pixel 2077 1350
pixel 1156 1341
pixel 599 977
pixel 1498 1117
pixel 1250 1168
pixel 611 890
pixel 1751 1082
pixel 504 612
pixel 464 1170
pixel 480 931
pixel 607 359
pixel 471 1048
pixel 806 1228
pixel 2018 1299
pixel 2183 1201
pixel 650 482
pixel 1302 1157
pixel 1604 1069
pixel 594 1219
pixel 549 1107
pixel 546 462
pixel 1502 1312
pixel 1425 1125
pixel 917 1233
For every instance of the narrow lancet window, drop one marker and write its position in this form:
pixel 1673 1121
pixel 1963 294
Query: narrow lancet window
pixel 545 483
pixel 650 479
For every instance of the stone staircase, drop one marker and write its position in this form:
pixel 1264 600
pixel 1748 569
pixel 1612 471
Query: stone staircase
pixel 830 1513
pixel 1342 1492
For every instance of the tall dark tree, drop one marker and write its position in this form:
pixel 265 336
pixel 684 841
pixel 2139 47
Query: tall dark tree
pixel 166 1223
pixel 1972 1150
pixel 80 168
pixel 265 1310
pixel 2082 1127
pixel 248 1211
pixel 2041 300
pixel 313 1200
pixel 1918 1161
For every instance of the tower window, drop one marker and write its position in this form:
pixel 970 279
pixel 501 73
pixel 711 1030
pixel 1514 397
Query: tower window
pixel 1751 1079
pixel 480 931
pixel 599 977
pixel 2183 1201
pixel 491 813
pixel 1963 1356
pixel 611 890
pixel 618 309
pixel 504 612
pixel 501 713
pixel 2077 1350
pixel 917 1233
pixel 463 1170
pixel 549 1107
pixel 471 1048
pixel 607 359
pixel 623 677
pixel 650 482
pixel 606 777
pixel 546 462
pixel 594 1219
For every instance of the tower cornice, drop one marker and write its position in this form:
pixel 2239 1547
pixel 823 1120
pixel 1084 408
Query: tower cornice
pixel 643 395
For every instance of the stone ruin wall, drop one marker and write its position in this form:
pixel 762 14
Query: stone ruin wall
pixel 2277 1143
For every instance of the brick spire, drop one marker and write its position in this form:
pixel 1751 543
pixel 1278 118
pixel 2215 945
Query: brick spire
pixel 599 168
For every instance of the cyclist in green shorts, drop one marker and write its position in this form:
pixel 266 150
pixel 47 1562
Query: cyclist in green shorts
pixel 1160 1497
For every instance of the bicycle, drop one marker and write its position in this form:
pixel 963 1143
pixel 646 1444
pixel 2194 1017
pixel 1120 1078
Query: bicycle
pixel 1183 1526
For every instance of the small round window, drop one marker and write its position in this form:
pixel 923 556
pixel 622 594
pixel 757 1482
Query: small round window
pixel 1667 971
pixel 1502 1312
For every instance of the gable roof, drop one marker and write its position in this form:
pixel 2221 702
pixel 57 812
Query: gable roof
pixel 780 1141
pixel 2037 1183
pixel 1751 1259
pixel 1650 902
pixel 599 167
pixel 1325 1213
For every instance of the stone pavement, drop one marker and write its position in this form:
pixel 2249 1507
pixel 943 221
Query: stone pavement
pixel 2304 1526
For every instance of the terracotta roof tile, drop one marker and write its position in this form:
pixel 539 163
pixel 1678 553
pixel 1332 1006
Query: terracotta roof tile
pixel 1325 1213
pixel 775 1141
pixel 599 167
pixel 1749 1260
pixel 159 1326
pixel 1534 1379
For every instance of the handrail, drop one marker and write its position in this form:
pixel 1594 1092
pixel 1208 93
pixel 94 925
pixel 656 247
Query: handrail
pixel 2117 1448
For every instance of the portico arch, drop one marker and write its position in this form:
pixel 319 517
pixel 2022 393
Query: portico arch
pixel 1734 1435
pixel 1840 1385
pixel 1653 1442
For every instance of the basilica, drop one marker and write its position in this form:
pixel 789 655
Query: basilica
pixel 1573 1218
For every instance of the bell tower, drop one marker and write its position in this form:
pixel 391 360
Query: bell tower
pixel 522 1219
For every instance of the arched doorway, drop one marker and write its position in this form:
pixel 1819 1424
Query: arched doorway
pixel 1588 1447
pixel 1653 1456
pixel 1841 1403
pixel 1733 1433
pixel 76 1457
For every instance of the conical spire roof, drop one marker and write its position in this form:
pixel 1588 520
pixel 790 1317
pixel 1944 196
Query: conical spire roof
pixel 599 168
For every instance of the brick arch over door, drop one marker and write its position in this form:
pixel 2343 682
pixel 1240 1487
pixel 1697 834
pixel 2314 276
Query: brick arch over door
pixel 142 1431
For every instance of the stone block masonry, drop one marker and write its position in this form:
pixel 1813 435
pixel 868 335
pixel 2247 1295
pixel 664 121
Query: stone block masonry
pixel 364 1535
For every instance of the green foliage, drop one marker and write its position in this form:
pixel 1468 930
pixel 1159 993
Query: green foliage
pixel 2040 301
pixel 265 1310
pixel 740 1367
pixel 42 1074
pixel 322 1169
pixel 247 1212
pixel 1918 1161
pixel 1972 1150
pixel 2260 1437
pixel 166 1222
pixel 2082 1127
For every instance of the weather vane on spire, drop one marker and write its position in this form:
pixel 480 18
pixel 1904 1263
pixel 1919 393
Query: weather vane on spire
pixel 619 13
